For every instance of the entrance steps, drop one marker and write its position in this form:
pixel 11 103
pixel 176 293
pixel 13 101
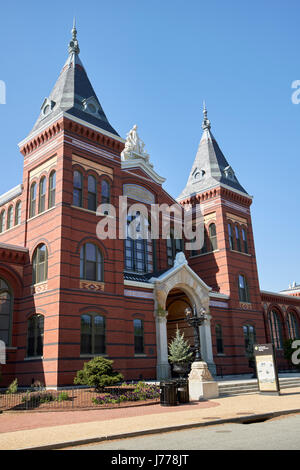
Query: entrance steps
pixel 238 387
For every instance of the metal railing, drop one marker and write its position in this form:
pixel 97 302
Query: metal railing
pixel 76 398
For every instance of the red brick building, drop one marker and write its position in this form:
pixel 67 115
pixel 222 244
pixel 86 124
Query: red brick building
pixel 67 295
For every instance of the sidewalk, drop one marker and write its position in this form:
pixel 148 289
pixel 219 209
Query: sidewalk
pixel 62 429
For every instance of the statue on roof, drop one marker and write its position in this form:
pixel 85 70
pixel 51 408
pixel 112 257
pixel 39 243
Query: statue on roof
pixel 134 147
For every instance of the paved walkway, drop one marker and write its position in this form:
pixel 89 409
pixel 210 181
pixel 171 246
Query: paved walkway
pixel 60 429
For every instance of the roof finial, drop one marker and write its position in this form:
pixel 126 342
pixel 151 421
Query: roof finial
pixel 73 44
pixel 206 122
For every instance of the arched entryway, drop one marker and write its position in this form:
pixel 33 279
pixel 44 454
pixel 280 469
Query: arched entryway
pixel 177 302
pixel 174 290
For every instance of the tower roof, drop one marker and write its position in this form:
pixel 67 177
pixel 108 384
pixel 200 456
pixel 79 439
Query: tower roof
pixel 210 167
pixel 73 94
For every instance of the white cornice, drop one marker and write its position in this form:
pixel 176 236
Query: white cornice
pixel 140 164
pixel 144 285
pixel 218 295
pixel 217 185
pixel 7 246
pixel 291 297
pixel 72 118
pixel 11 194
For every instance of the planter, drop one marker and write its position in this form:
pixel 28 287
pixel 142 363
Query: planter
pixel 181 368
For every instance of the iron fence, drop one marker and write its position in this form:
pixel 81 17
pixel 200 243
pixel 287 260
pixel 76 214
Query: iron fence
pixel 76 398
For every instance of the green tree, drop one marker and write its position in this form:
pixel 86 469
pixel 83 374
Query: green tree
pixel 13 387
pixel 98 373
pixel 179 349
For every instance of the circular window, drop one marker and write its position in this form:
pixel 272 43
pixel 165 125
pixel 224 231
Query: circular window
pixel 46 109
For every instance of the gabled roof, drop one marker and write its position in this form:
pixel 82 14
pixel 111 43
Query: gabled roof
pixel 73 94
pixel 210 167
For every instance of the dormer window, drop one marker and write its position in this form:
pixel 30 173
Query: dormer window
pixel 47 106
pixel 90 105
pixel 229 173
pixel 197 174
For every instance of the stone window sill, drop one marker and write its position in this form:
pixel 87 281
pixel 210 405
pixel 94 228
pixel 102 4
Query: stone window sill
pixel 85 356
pixel 33 358
pixel 203 254
pixel 99 214
pixel 240 252
pixel 41 213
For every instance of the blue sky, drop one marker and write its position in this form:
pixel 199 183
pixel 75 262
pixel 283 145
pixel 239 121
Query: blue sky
pixel 152 63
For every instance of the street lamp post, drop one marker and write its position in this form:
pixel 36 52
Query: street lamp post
pixel 195 320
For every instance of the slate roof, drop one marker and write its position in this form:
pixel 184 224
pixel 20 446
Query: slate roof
pixel 71 90
pixel 210 167
pixel 143 277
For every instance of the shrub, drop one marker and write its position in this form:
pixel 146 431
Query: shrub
pixel 63 396
pixel 142 391
pixel 98 373
pixel 13 387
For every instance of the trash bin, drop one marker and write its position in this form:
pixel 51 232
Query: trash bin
pixel 183 390
pixel 168 393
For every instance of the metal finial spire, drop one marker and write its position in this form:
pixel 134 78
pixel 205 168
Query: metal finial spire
pixel 73 44
pixel 206 122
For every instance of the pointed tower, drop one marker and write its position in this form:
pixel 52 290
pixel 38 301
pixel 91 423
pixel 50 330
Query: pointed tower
pixel 73 95
pixel 227 260
pixel 72 163
pixel 210 168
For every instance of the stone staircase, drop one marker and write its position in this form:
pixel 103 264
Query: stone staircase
pixel 238 387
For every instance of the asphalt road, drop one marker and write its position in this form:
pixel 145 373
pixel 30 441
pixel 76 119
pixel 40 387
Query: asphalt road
pixel 281 433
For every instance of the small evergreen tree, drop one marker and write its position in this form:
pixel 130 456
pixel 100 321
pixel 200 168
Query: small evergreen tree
pixel 13 387
pixel 179 349
pixel 98 373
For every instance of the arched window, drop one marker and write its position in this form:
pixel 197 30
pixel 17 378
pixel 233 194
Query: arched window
pixel 105 192
pixel 10 217
pixel 77 189
pixel 32 202
pixel 231 238
pixel 35 336
pixel 213 237
pixel 250 339
pixel 245 241
pixel 219 339
pixel 91 263
pixel 2 221
pixel 243 289
pixel 42 194
pixel 138 327
pixel 293 327
pixel 92 193
pixel 92 334
pixel 18 213
pixel 52 189
pixel 206 243
pixel 275 326
pixel 6 307
pixel 238 239
pixel 138 248
pixel 40 264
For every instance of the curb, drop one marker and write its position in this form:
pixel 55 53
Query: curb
pixel 247 419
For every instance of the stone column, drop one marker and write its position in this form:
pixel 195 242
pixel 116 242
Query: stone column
pixel 206 345
pixel 163 370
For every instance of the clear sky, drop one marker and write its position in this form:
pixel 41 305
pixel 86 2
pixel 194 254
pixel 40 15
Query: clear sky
pixel 152 63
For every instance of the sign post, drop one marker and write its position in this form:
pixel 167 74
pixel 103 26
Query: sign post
pixel 267 374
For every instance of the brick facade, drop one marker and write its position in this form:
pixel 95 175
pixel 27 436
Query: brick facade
pixel 68 144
